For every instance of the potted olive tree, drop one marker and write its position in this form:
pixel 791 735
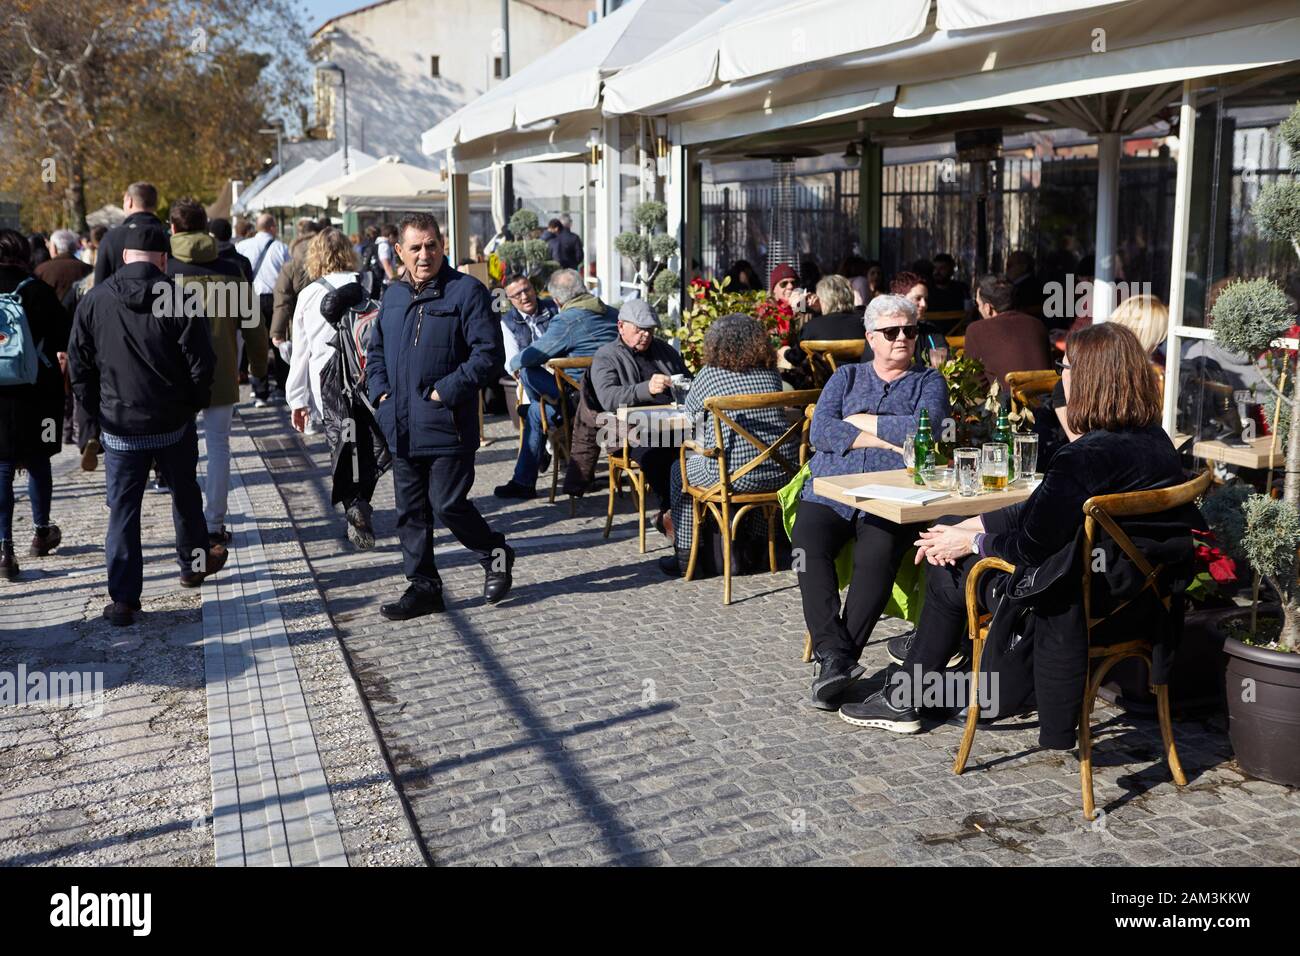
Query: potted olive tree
pixel 650 248
pixel 1263 674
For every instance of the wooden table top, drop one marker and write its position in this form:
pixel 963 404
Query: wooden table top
pixel 902 513
pixel 1253 454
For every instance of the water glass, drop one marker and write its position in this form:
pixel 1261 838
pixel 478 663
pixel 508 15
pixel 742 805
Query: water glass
pixel 681 387
pixel 993 466
pixel 1026 457
pixel 909 452
pixel 966 463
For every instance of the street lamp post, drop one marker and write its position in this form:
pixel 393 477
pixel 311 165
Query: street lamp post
pixel 335 70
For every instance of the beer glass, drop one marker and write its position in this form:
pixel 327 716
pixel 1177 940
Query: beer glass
pixel 993 467
pixel 1026 457
pixel 966 464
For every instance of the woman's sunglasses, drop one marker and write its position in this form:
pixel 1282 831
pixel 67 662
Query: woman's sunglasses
pixel 891 333
pixel 1062 366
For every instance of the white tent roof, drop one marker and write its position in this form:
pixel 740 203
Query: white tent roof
pixel 279 192
pixel 748 38
pixel 264 179
pixel 568 79
pixel 389 184
pixel 977 53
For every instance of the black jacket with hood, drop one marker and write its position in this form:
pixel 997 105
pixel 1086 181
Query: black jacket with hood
pixel 137 366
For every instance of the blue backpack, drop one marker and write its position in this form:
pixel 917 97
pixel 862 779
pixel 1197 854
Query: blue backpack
pixel 18 353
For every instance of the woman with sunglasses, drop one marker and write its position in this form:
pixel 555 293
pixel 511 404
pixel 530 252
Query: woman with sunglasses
pixel 863 417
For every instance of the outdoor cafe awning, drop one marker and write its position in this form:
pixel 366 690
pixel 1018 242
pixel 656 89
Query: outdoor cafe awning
pixel 567 80
pixel 972 54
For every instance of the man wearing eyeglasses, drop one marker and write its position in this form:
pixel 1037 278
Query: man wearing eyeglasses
pixel 528 318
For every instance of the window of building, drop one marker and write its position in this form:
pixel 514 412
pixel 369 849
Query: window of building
pixel 435 70
pixel 496 67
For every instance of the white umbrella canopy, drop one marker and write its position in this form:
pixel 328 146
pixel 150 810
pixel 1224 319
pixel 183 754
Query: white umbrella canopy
pixel 388 184
pixel 329 168
pixel 279 192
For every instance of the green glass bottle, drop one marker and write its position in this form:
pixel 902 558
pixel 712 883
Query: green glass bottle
pixel 1002 433
pixel 923 445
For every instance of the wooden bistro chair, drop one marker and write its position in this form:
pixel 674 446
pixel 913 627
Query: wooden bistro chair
pixel 569 388
pixel 1027 387
pixel 825 356
pixel 620 463
pixel 1100 515
pixel 728 506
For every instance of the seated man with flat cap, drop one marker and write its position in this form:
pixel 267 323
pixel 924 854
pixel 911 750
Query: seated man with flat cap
pixel 637 369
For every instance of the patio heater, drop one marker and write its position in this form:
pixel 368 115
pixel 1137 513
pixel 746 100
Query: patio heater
pixel 979 147
pixel 782 234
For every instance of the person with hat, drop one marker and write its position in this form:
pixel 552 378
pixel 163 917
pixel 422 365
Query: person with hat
pixel 637 368
pixel 144 368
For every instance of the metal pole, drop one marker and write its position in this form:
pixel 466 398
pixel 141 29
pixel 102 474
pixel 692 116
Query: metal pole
pixel 508 171
pixel 1108 156
pixel 1178 252
pixel 347 166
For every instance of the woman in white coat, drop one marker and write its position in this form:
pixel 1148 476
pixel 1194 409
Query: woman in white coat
pixel 331 263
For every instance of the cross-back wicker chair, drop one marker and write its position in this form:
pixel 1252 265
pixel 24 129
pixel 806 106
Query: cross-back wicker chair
pixel 728 506
pixel 826 355
pixel 560 438
pixel 1026 387
pixel 1100 515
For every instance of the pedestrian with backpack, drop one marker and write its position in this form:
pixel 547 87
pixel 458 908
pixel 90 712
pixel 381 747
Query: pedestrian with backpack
pixel 33 339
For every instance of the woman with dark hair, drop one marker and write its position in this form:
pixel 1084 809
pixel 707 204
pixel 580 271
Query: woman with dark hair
pixel 738 360
pixel 38 246
pixel 931 346
pixel 31 416
pixel 1114 405
pixel 744 277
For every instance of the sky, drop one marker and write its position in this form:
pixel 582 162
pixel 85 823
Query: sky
pixel 318 11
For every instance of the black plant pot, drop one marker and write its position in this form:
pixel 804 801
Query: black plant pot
pixel 1263 690
pixel 1196 682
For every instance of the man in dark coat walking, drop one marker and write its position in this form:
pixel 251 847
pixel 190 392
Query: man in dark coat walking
pixel 435 344
pixel 144 368
pixel 139 202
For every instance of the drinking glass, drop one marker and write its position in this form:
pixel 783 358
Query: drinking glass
pixel 993 467
pixel 681 386
pixel 1026 457
pixel 909 452
pixel 966 463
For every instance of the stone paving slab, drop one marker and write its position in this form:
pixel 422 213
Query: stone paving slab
pixel 270 799
pixel 606 714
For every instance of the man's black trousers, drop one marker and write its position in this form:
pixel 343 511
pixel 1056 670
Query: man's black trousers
pixel 429 489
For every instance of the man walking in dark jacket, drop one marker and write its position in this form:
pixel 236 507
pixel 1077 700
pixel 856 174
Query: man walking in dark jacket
pixel 139 202
pixel 566 247
pixel 435 344
pixel 144 369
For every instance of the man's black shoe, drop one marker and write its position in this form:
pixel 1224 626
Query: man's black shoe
pixel 497 580
pixel 899 647
pixel 416 602
pixel 512 490
pixel 876 711
pixel 833 677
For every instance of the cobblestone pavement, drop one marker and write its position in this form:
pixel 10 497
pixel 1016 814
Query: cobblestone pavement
pixel 607 714
pixel 127 779
pixel 123 779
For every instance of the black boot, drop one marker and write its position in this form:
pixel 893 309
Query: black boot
pixel 8 563
pixel 675 564
pixel 45 540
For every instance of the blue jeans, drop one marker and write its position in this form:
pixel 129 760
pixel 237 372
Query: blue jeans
pixel 40 488
pixel 126 474
pixel 537 382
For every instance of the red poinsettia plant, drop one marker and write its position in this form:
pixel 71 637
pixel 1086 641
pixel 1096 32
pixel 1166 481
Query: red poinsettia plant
pixel 776 318
pixel 1215 570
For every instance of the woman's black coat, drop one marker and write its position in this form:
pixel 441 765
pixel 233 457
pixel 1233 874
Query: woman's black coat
pixel 31 416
